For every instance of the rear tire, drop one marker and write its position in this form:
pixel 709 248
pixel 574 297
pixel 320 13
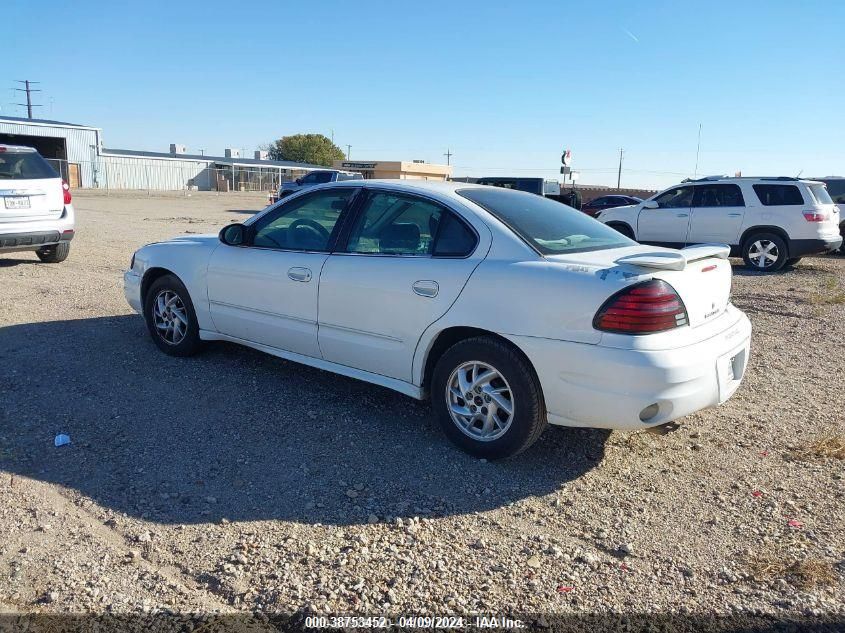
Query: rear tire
pixel 765 252
pixel 54 254
pixel 171 319
pixel 506 413
pixel 841 250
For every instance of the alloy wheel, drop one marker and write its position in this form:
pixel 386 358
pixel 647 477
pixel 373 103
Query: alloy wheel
pixel 170 317
pixel 763 253
pixel 480 401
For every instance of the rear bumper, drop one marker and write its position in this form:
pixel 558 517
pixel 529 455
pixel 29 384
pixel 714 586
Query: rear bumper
pixel 799 248
pixel 33 240
pixel 600 387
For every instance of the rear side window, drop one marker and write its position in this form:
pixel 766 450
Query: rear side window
pixel 820 194
pixel 777 195
pixel 18 165
pixel 718 196
pixel 454 238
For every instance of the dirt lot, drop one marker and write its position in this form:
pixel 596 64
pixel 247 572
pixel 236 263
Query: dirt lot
pixel 235 481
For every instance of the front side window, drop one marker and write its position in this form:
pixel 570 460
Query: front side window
pixel 395 224
pixel 778 195
pixel 304 224
pixel 677 198
pixel 548 226
pixel 726 195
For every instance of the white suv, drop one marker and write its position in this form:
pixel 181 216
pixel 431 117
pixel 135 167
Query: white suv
pixel 770 222
pixel 36 213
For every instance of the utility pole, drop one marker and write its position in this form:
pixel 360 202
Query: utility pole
pixel 448 156
pixel 28 89
pixel 202 152
pixel 348 152
pixel 619 173
pixel 332 137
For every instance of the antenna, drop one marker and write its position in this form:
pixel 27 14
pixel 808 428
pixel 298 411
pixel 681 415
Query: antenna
pixel 697 152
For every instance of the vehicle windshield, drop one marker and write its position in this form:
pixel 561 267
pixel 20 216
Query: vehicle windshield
pixel 820 194
pixel 18 164
pixel 551 227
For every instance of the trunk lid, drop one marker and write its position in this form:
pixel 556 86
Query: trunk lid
pixel 701 275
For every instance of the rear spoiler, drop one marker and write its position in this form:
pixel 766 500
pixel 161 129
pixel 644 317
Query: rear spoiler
pixel 676 259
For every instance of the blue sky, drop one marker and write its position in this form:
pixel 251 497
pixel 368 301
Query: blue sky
pixel 504 85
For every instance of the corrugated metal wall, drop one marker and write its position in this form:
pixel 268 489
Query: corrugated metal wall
pixel 158 174
pixel 78 142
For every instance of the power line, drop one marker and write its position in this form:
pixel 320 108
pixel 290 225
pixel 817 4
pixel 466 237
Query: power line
pixel 28 90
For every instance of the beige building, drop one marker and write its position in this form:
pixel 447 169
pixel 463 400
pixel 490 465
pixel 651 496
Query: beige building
pixel 403 170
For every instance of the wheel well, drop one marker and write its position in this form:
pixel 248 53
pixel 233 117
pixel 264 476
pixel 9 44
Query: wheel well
pixel 448 337
pixel 764 229
pixel 149 278
pixel 627 231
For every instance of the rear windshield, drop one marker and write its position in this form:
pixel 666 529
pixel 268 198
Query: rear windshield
pixel 820 194
pixel 22 165
pixel 551 227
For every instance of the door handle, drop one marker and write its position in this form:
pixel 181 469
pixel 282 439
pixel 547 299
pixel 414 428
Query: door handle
pixel 299 274
pixel 683 215
pixel 426 288
pixel 734 215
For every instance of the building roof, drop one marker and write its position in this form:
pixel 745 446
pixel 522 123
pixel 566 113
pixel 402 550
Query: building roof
pixel 17 119
pixel 254 162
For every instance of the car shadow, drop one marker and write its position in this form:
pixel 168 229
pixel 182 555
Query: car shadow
pixel 239 435
pixel 8 262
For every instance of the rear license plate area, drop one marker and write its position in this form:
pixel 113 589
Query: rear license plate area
pixel 731 369
pixel 17 202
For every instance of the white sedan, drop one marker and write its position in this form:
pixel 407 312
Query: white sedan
pixel 509 310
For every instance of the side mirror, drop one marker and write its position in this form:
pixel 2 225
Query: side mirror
pixel 233 235
pixel 650 204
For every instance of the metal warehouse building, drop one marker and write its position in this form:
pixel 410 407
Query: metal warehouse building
pixel 77 152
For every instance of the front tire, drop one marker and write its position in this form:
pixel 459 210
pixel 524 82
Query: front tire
pixel 170 316
pixel 765 252
pixel 624 229
pixel 54 254
pixel 487 398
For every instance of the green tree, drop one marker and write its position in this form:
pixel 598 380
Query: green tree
pixel 315 149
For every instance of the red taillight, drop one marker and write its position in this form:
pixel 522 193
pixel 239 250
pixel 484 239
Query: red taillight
pixel 644 308
pixel 816 216
pixel 66 191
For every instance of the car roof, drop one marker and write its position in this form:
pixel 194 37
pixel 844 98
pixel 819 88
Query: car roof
pixel 17 148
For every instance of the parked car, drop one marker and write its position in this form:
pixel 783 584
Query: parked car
pixel 530 185
pixel 836 189
pixel 595 206
pixel 313 178
pixel 508 310
pixel 36 213
pixel 769 222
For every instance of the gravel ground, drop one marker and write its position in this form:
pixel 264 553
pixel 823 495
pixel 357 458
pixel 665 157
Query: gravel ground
pixel 235 481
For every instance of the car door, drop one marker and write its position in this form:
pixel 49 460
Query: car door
pixel 717 214
pixel 668 223
pixel 406 260
pixel 266 291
